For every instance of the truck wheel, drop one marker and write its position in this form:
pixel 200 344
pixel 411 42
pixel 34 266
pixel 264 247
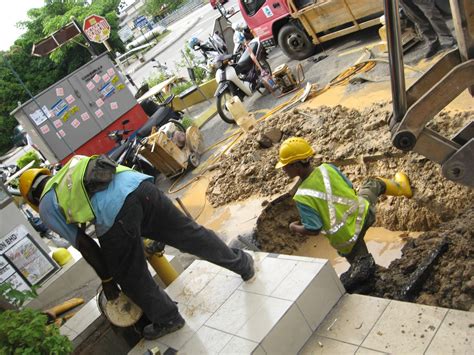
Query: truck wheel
pixel 295 43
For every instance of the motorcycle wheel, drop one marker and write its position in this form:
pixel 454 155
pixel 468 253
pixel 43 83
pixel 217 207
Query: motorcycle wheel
pixel 222 109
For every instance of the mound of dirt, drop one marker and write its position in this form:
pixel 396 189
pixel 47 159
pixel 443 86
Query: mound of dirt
pixel 359 143
pixel 272 233
pixel 450 283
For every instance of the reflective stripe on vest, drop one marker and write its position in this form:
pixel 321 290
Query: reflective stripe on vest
pixel 356 208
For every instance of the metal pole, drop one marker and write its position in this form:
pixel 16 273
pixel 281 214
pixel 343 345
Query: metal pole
pixel 395 56
pixel 89 45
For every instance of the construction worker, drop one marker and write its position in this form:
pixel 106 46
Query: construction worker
pixel 124 205
pixel 327 202
pixel 431 24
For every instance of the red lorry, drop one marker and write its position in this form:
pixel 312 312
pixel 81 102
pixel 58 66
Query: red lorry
pixel 298 25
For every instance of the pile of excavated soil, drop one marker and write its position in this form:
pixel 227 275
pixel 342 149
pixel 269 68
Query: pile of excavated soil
pixel 450 283
pixel 359 143
pixel 272 233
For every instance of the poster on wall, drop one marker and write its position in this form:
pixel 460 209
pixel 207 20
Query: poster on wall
pixel 31 263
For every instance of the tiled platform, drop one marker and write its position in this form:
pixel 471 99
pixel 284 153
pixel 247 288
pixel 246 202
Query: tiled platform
pixel 275 314
pixel 368 325
pixel 297 305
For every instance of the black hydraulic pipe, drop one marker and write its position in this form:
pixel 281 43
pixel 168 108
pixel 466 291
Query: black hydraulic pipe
pixel 395 56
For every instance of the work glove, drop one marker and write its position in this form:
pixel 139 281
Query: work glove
pixel 111 290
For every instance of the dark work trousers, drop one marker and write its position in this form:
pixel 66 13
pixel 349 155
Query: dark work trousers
pixel 147 212
pixel 429 20
pixel 370 190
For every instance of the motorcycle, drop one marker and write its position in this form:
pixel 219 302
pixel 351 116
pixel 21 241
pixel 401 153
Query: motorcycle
pixel 128 147
pixel 240 77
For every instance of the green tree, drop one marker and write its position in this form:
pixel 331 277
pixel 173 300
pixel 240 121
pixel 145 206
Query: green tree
pixel 39 73
pixel 154 8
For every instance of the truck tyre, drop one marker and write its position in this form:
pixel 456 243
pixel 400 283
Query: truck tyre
pixel 295 43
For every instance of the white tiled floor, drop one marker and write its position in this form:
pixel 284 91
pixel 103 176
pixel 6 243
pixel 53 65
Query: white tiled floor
pixel 297 306
pixel 224 315
pixel 369 325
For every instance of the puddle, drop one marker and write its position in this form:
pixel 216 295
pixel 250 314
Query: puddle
pixel 240 218
pixel 385 246
pixel 227 221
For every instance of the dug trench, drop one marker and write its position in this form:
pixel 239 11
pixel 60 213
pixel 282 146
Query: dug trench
pixel 358 142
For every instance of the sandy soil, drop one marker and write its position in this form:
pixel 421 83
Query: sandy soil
pixel 358 141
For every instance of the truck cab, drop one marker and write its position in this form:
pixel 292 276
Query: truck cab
pixel 298 25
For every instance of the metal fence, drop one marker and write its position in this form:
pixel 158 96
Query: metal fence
pixel 182 11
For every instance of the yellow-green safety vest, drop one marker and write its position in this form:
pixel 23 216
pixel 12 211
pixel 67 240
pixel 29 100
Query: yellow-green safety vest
pixel 70 190
pixel 341 210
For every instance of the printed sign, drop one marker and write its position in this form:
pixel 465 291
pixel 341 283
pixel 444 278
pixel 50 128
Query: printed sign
pixel 111 71
pixel 29 261
pixel 107 90
pixel 40 115
pixel 267 11
pixel 99 113
pixel 96 78
pixel 90 85
pixel 57 123
pixel 70 99
pixel 75 123
pixel 44 129
pixel 96 28
pixel 59 108
pixel 85 116
pixel 61 133
pixel 113 105
pixel 59 92
pixel 99 102
pixel 105 77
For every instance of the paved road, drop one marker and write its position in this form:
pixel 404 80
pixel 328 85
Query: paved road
pixel 205 17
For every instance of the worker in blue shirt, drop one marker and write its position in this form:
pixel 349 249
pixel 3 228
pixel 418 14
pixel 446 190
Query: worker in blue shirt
pixel 124 205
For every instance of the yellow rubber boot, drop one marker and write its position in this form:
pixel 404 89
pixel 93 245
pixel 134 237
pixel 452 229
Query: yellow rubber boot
pixel 400 186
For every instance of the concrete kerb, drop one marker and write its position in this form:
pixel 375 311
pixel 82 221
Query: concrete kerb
pixel 166 45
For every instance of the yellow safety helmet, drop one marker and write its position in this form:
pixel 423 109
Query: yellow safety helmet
pixel 29 181
pixel 292 150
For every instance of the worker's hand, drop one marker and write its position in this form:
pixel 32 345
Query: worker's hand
pixel 295 227
pixel 111 290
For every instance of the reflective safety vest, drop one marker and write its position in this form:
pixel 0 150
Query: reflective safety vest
pixel 342 212
pixel 71 192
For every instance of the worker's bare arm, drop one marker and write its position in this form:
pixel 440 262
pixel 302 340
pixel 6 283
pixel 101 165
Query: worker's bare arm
pixel 297 227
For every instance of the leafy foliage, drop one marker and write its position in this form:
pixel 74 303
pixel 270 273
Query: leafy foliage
pixel 40 72
pixel 27 157
pixel 15 297
pixel 155 8
pixel 27 332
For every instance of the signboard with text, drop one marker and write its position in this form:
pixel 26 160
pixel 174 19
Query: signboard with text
pixel 96 28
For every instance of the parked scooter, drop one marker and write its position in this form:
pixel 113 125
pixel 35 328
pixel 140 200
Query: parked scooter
pixel 240 77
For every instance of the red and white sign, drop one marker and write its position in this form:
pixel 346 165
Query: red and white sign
pixel 96 28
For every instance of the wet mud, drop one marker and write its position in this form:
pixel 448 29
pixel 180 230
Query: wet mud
pixel 358 142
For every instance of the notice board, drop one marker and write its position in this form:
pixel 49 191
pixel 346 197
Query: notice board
pixel 23 263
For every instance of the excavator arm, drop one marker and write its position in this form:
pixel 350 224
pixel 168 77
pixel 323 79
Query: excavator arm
pixel 442 83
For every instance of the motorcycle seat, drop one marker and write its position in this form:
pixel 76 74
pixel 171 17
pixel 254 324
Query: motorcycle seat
pixel 114 155
pixel 245 63
pixel 159 118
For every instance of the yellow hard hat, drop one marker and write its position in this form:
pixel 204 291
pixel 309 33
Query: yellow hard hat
pixel 28 183
pixel 62 256
pixel 292 150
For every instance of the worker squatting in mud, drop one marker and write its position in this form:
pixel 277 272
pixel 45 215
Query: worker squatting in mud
pixel 328 204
